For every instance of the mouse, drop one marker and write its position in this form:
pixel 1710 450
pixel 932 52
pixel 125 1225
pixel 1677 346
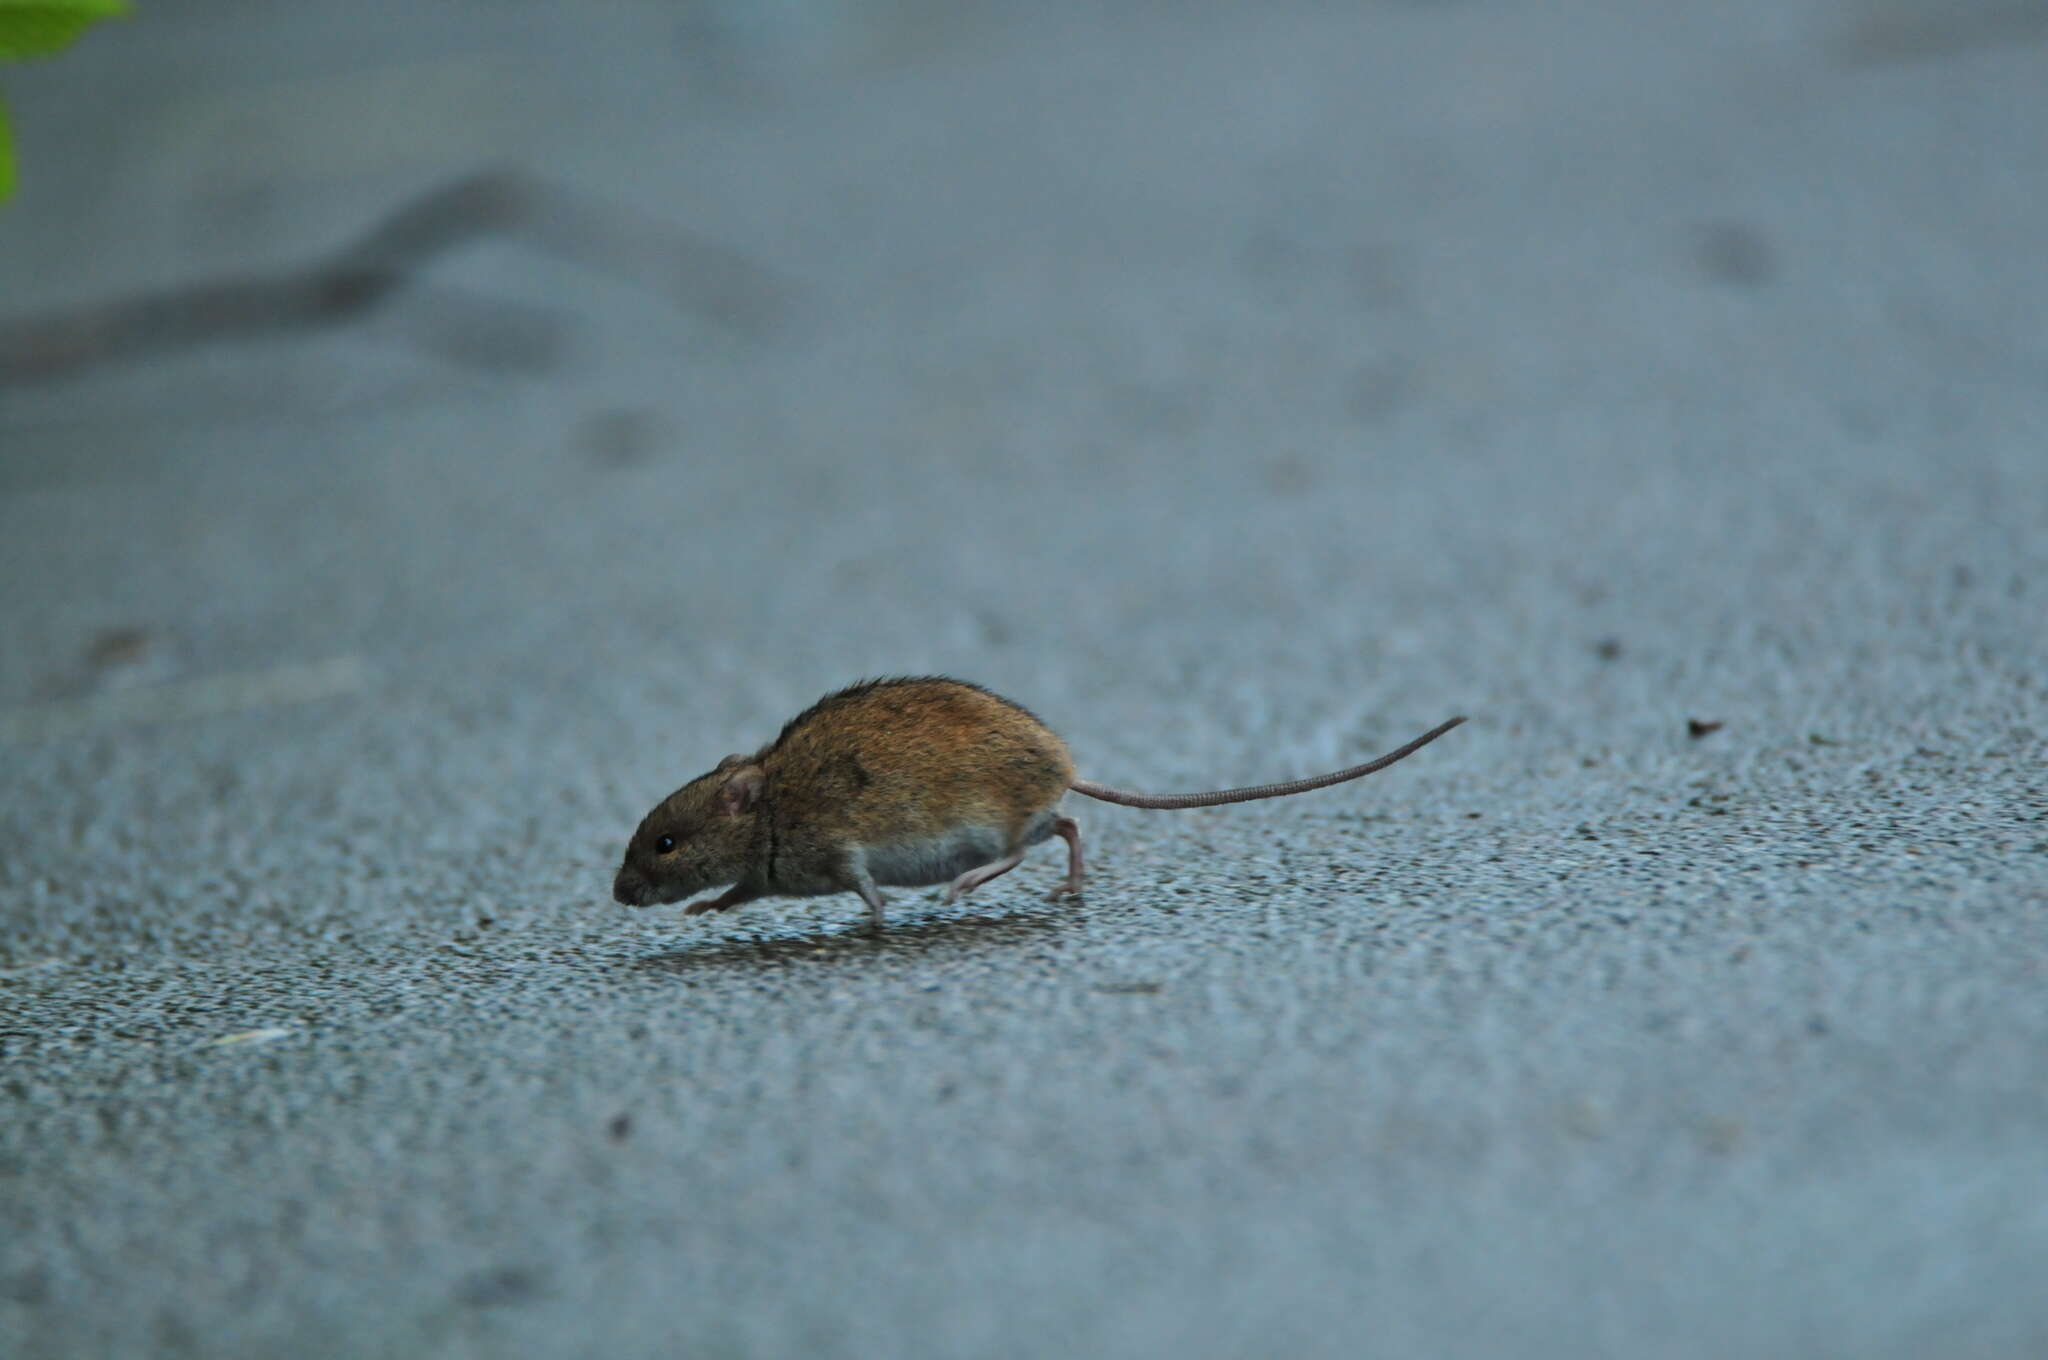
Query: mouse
pixel 906 781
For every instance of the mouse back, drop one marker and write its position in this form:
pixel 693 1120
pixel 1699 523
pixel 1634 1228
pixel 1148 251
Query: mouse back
pixel 912 756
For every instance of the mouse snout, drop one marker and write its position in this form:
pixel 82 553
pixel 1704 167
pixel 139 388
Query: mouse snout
pixel 629 889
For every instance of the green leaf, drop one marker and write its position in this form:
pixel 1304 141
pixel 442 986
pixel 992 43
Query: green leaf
pixel 36 28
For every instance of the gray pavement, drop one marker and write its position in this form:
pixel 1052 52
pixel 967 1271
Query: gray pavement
pixel 1243 388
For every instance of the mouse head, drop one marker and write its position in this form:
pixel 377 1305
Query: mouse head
pixel 700 836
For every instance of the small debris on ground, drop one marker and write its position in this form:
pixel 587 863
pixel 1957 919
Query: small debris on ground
pixel 249 1036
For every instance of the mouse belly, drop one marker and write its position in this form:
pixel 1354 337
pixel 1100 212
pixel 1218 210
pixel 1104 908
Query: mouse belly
pixel 927 860
pixel 934 859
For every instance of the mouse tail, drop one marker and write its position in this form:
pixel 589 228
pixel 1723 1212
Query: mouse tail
pixel 1170 801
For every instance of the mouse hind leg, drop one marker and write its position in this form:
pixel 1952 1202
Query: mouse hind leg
pixel 974 878
pixel 1017 838
pixel 1069 830
pixel 1066 828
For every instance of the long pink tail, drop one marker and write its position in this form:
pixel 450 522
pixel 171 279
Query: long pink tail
pixel 1168 801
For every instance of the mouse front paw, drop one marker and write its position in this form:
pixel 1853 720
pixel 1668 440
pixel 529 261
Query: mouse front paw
pixel 737 895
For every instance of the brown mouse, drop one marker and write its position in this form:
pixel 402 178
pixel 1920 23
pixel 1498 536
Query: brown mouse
pixel 904 782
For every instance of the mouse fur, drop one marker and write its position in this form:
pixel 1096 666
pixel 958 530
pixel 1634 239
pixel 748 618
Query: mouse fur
pixel 907 781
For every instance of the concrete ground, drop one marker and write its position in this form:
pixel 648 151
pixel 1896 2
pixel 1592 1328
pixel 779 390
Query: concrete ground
pixel 1245 388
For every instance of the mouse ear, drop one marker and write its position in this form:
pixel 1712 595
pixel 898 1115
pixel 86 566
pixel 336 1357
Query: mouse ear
pixel 740 790
pixel 736 758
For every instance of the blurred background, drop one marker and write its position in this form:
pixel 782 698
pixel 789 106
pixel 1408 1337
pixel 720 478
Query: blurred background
pixel 430 433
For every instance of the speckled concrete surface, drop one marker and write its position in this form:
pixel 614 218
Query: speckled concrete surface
pixel 1242 393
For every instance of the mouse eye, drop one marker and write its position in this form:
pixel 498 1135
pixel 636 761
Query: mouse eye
pixel 665 845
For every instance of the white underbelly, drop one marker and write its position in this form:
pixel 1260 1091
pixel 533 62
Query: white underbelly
pixel 934 859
